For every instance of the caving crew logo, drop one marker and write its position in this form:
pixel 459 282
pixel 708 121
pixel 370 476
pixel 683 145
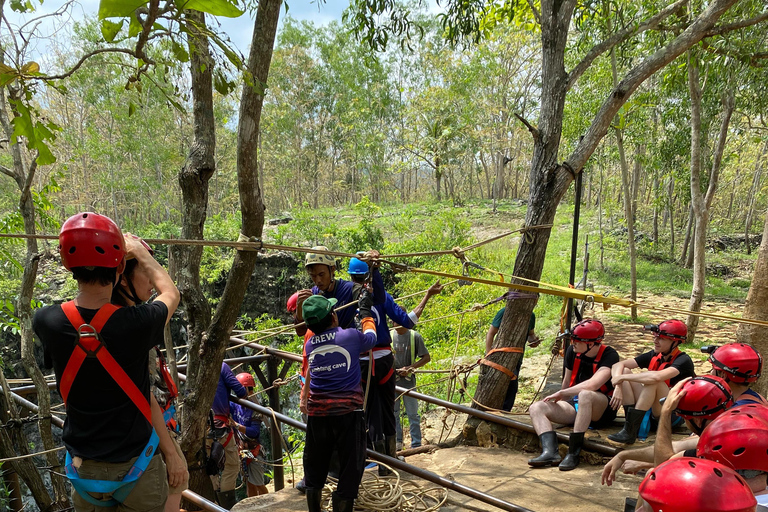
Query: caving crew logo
pixel 329 349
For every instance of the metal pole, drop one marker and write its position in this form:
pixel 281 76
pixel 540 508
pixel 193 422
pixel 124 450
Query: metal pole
pixel 507 422
pixel 574 249
pixel 277 440
pixel 202 502
pixel 232 361
pixel 396 463
pixel 34 408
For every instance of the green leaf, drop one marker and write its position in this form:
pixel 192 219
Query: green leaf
pixel 44 157
pixel 214 7
pixel 135 27
pixel 118 8
pixel 22 124
pixel 179 52
pixel 110 29
pixel 131 109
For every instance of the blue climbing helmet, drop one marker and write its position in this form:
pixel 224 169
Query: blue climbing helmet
pixel 357 267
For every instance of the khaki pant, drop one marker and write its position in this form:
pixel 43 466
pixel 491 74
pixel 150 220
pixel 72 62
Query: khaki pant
pixel 148 495
pixel 228 479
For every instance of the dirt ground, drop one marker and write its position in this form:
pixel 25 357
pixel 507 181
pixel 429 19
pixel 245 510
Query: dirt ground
pixel 500 472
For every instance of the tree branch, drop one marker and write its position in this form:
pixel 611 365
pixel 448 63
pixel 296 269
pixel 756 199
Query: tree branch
pixel 420 156
pixel 736 25
pixel 84 58
pixel 536 13
pixel 7 171
pixel 620 37
pixel 695 32
pixel 751 59
pixel 532 129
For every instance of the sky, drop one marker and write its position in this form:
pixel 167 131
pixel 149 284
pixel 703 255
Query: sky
pixel 54 28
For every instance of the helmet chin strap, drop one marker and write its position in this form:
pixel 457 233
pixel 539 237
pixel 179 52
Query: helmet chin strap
pixel 673 347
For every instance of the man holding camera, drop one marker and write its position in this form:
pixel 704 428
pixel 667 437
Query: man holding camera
pixel 640 392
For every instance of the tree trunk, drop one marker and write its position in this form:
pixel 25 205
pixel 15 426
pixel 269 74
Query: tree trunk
pixel 13 443
pixel 24 174
pixel 702 203
pixel 206 357
pixel 630 219
pixel 671 214
pixel 683 261
pixel 752 197
pixel 757 298
pixel 551 179
pixel 193 181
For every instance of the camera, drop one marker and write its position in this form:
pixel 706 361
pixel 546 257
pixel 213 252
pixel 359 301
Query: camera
pixel 709 349
pixel 651 327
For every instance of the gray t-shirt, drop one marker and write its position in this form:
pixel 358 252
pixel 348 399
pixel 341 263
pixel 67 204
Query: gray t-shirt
pixel 401 346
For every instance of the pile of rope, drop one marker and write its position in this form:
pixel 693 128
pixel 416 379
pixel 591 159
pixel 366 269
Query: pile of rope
pixel 391 494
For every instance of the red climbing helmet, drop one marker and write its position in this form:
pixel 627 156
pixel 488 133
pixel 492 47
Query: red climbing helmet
pixel 588 331
pixel 91 240
pixel 755 409
pixel 742 362
pixel 246 379
pixel 293 302
pixel 706 397
pixel 692 485
pixel 673 329
pixel 736 439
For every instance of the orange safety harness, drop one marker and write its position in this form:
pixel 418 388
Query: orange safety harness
pixel 577 364
pixel 90 345
pixel 660 361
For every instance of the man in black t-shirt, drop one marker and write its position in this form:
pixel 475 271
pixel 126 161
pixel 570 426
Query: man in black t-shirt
pixel 583 398
pixel 640 392
pixel 105 431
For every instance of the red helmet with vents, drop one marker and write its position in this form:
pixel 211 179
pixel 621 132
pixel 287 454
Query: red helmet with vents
pixel 91 240
pixel 692 485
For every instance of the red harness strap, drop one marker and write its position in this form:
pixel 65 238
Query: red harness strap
pixel 89 345
pixel 595 363
pixel 506 371
pixel 172 390
pixel 659 363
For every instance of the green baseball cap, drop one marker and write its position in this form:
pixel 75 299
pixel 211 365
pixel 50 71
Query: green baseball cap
pixel 316 307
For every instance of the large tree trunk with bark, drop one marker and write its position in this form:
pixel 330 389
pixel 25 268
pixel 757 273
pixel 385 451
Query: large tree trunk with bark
pixel 207 352
pixel 550 179
pixel 193 181
pixel 757 298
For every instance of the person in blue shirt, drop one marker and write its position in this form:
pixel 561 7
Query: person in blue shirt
pixel 380 409
pixel 224 484
pixel 333 400
pixel 321 268
pixel 248 426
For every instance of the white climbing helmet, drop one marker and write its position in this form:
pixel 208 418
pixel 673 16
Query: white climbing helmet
pixel 319 258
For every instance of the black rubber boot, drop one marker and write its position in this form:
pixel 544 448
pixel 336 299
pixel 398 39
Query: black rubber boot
pixel 226 499
pixel 342 505
pixel 314 500
pixel 628 434
pixel 386 447
pixel 549 454
pixel 571 461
